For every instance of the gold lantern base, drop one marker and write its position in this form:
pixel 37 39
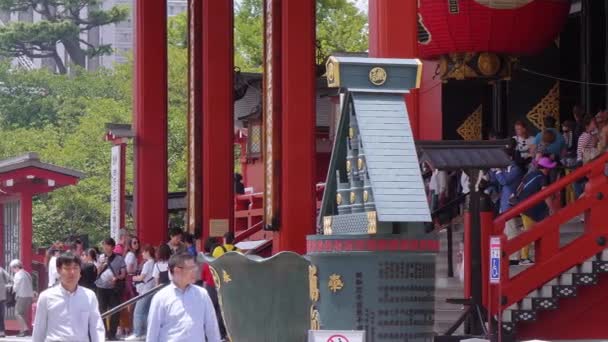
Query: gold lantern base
pixel 476 65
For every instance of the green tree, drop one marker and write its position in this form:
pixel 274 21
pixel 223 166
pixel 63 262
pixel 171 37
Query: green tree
pixel 341 27
pixel 63 21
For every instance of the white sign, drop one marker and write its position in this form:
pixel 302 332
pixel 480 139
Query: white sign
pixel 336 336
pixel 495 260
pixel 115 205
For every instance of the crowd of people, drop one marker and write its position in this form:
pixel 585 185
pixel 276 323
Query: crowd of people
pixel 82 284
pixel 536 161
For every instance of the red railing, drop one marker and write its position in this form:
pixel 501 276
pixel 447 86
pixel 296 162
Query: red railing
pixel 551 259
pixel 249 213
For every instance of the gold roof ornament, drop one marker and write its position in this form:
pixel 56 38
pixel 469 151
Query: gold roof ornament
pixel 377 76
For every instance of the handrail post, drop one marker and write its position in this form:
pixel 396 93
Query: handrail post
pixel 486 218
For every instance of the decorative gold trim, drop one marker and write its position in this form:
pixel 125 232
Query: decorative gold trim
pixel 335 283
pixel 365 196
pixel 372 222
pixel 327 230
pixel 378 76
pixel 315 319
pixel 549 105
pixel 338 199
pixel 422 27
pixel 216 278
pixel 360 163
pixel 333 72
pixel 226 277
pixel 313 283
pixel 471 127
pixel 353 197
pixel 419 73
pixel 488 64
pixel 348 166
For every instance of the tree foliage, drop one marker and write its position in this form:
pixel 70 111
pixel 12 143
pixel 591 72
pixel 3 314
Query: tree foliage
pixel 63 21
pixel 341 27
pixel 62 117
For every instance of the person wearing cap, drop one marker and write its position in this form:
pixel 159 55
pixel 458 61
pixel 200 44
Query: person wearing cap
pixel 24 292
pixel 532 183
pixel 68 312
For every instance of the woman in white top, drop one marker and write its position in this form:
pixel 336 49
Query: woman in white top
pixel 131 256
pixel 144 283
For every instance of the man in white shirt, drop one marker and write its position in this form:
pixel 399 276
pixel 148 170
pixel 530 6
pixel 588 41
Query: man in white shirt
pixel 68 312
pixel 182 311
pixel 24 292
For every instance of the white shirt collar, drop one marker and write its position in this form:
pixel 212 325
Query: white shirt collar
pixel 65 292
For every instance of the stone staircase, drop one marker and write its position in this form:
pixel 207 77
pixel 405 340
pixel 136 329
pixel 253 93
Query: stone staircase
pixel 448 287
pixel 564 286
pixel 545 298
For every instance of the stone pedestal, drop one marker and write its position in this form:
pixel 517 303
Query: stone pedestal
pixel 383 284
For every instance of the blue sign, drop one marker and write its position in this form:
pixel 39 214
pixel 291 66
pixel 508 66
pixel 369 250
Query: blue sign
pixel 495 260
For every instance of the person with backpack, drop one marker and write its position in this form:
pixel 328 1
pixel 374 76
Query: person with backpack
pixel 161 272
pixel 532 183
pixel 228 246
pixel 509 179
pixel 110 283
pixel 24 293
pixel 144 282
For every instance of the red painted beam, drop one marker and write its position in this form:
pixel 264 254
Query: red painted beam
pixel 150 121
pixel 218 117
pixel 26 250
pixel 298 202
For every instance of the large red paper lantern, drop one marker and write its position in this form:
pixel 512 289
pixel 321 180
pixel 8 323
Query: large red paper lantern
pixel 493 27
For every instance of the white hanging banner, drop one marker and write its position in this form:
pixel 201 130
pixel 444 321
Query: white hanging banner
pixel 115 205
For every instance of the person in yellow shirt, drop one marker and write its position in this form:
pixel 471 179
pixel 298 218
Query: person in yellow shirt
pixel 228 246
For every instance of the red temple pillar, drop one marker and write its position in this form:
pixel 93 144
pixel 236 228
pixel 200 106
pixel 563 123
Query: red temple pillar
pixel 25 216
pixel 195 117
pixel 150 121
pixel 393 33
pixel 218 116
pixel 298 124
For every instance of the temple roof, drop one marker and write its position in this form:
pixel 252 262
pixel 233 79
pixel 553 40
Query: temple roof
pixel 32 159
pixel 391 158
pixel 463 155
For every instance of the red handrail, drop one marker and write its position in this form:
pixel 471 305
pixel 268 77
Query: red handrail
pixel 249 232
pixel 551 259
pixel 548 191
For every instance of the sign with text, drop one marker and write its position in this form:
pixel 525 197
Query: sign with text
pixel 115 205
pixel 336 336
pixel 495 260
